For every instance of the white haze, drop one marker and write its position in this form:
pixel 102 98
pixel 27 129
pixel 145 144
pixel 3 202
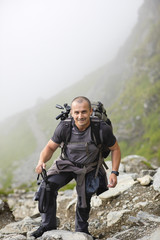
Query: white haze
pixel 46 45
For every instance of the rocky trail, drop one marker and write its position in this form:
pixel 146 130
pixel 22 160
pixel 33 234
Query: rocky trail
pixel 131 211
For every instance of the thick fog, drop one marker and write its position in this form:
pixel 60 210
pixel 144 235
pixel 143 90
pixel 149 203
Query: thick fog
pixel 46 45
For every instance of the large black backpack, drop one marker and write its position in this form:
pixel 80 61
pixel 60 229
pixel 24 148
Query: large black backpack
pixel 99 113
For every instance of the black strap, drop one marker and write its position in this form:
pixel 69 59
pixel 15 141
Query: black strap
pixel 95 131
pixel 44 175
pixel 66 135
pixel 44 198
pixel 43 203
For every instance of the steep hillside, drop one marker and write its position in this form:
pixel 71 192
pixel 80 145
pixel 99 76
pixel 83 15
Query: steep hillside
pixel 129 87
pixel 136 113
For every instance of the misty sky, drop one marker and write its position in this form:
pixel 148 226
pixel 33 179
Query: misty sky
pixel 46 45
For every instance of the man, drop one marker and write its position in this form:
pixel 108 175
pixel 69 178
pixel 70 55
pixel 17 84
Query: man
pixel 80 158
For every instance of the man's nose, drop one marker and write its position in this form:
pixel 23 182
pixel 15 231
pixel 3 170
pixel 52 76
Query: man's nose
pixel 80 115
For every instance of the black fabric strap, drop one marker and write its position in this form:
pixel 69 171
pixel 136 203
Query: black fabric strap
pixel 44 198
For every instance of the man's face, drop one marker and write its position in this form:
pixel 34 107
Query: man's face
pixel 81 114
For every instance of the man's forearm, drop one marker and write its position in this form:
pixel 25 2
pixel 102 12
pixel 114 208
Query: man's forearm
pixel 45 155
pixel 116 158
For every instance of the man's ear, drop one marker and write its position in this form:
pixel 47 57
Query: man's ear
pixel 91 112
pixel 71 112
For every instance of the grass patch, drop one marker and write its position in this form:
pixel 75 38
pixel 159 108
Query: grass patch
pixel 5 192
pixel 69 186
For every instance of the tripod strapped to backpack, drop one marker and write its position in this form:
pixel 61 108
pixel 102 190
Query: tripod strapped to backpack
pixel 64 114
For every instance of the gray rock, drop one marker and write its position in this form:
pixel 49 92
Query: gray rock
pixel 135 163
pixel 114 217
pixel 124 182
pixel 13 237
pixel 65 235
pixel 18 230
pixel 20 227
pixel 96 201
pixel 155 235
pixel 156 181
pixel 144 215
pixel 1 205
pixel 145 181
pixel 148 172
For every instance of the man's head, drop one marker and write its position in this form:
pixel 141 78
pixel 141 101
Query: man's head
pixel 81 111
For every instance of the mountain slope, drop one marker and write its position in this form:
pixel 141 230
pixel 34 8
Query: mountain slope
pixel 136 112
pixel 129 87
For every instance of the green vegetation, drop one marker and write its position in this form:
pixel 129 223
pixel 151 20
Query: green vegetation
pixel 137 110
pixel 5 192
pixel 69 186
pixel 16 145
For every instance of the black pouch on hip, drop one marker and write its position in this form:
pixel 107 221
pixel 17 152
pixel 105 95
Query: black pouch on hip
pixel 92 183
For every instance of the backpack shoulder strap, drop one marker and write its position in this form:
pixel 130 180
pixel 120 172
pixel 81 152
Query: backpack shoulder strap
pixel 66 135
pixel 66 131
pixel 96 131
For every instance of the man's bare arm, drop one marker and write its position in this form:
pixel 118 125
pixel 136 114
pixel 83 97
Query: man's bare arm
pixel 116 158
pixel 46 155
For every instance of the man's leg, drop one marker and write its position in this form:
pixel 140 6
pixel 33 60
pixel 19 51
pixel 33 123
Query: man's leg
pixel 82 216
pixel 49 218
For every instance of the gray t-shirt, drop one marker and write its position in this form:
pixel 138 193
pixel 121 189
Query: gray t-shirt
pixel 81 148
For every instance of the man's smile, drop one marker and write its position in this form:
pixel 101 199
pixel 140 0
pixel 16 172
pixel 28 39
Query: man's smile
pixel 81 120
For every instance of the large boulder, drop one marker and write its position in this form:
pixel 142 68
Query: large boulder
pixel 135 163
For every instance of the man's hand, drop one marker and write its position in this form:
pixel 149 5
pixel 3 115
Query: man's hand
pixel 112 181
pixel 39 167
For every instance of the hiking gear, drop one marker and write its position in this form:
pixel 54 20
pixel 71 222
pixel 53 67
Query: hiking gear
pixel 99 114
pixel 49 219
pixel 92 183
pixel 82 216
pixel 39 232
pixel 97 107
pixel 96 135
pixel 63 115
pixel 43 174
pixel 63 166
pixel 44 192
pixel 99 111
pixel 81 148
pixel 43 202
pixel 115 172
